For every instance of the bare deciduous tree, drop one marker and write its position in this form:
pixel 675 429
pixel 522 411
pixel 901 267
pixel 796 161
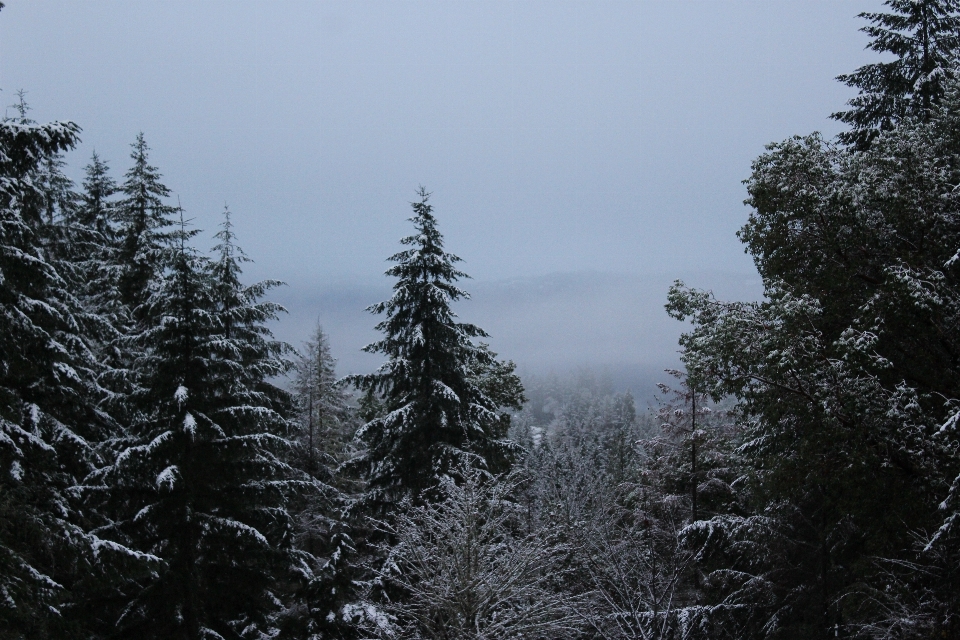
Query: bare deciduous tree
pixel 466 572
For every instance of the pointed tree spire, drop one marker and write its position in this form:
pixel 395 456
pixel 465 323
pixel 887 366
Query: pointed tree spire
pixel 435 407
pixel 96 210
pixel 226 272
pixel 144 219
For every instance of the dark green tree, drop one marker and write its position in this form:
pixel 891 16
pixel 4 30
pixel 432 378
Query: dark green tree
pixel 48 393
pixel 848 382
pixel 435 406
pixel 201 486
pixel 97 210
pixel 145 222
pixel 924 37
pixel 93 232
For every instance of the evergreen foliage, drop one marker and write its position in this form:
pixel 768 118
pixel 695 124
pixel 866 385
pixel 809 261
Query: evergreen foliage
pixel 97 211
pixel 144 227
pixel 924 36
pixel 47 394
pixel 802 482
pixel 435 405
pixel 326 424
pixel 846 376
pixel 58 190
pixel 200 486
pixel 93 254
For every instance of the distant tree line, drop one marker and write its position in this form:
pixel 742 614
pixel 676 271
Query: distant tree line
pixel 170 470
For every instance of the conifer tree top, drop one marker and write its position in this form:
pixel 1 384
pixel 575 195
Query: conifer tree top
pixel 924 35
pixel 434 400
pixel 426 260
pixel 97 211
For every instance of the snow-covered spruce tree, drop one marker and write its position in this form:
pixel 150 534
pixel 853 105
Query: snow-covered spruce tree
pixel 63 240
pixel 96 209
pixel 47 397
pixel 72 247
pixel 93 225
pixel 201 484
pixel 924 35
pixel 134 256
pixel 145 221
pixel 82 238
pixel 434 404
pixel 467 571
pixel 314 507
pixel 250 356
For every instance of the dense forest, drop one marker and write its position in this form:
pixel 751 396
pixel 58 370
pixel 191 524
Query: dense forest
pixel 170 470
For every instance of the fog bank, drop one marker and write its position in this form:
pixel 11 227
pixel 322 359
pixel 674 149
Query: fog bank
pixel 557 323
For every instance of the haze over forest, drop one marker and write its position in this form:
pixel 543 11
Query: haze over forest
pixel 580 156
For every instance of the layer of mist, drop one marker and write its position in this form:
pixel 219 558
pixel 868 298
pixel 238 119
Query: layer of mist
pixel 558 324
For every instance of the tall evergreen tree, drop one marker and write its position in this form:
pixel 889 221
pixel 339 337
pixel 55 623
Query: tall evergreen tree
pixel 47 394
pixel 92 249
pixel 97 210
pixel 94 231
pixel 145 221
pixel 201 485
pixel 924 35
pixel 848 382
pixel 434 405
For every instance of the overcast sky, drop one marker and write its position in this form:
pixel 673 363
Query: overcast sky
pixel 556 136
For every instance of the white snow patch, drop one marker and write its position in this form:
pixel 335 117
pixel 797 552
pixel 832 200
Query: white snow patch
pixel 180 395
pixel 951 261
pixel 167 477
pixel 98 544
pixel 951 423
pixel 190 423
pixel 370 613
